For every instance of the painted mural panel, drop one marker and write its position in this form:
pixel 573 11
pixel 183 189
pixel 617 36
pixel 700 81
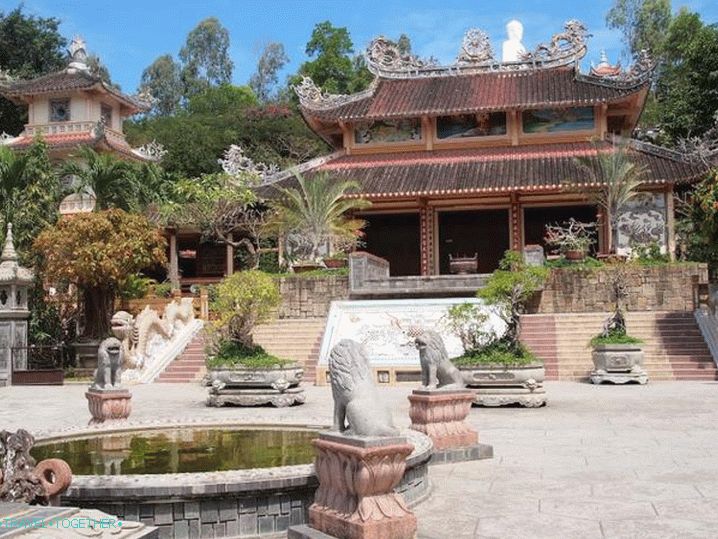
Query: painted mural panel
pixel 471 125
pixel 558 120
pixel 388 131
pixel 642 222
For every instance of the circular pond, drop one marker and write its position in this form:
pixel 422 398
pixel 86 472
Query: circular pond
pixel 182 450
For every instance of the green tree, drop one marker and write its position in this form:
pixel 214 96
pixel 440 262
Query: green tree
pixel 687 88
pixel 163 81
pixel 315 212
pixel 333 66
pixel 97 252
pixel 619 177
pixel 205 57
pixel 223 99
pixel 265 78
pixel 644 24
pixel 29 46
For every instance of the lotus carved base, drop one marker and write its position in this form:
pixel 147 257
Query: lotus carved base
pixel 108 404
pixel 355 498
pixel 441 415
pixel 256 397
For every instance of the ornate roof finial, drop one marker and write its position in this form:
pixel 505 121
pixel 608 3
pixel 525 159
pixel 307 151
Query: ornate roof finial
pixel 78 54
pixel 8 252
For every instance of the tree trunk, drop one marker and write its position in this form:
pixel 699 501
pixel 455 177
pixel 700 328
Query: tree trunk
pixel 98 304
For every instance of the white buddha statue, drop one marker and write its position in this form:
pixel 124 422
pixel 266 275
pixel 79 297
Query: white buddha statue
pixel 513 49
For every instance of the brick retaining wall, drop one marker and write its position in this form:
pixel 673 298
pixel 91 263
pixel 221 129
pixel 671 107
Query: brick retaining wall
pixel 310 297
pixel 659 288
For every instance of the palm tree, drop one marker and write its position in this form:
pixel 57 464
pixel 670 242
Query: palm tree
pixel 114 182
pixel 14 176
pixel 316 211
pixel 619 177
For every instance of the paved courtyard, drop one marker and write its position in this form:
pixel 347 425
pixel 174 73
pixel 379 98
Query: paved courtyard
pixel 609 461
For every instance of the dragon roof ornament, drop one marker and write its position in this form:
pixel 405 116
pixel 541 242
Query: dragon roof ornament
pixel 639 72
pixel 475 48
pixel 312 96
pixel 476 56
pixel 152 151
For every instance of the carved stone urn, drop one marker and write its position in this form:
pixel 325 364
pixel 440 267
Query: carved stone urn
pixel 441 415
pixel 108 404
pixel 355 498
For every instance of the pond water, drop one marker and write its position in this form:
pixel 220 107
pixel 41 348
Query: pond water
pixel 182 450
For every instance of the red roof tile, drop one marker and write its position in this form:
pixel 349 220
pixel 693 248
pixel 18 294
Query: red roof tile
pixel 476 92
pixel 493 170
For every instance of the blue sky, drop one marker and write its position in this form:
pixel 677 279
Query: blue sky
pixel 129 34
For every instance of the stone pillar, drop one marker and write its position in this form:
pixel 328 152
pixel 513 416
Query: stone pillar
pixel 356 498
pixel 174 260
pixel 670 224
pixel 229 266
pixel 14 313
pixel 441 415
pixel 426 235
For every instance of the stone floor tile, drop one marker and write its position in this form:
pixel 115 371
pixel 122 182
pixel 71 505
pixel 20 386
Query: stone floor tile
pixel 665 528
pixel 596 509
pixel 517 525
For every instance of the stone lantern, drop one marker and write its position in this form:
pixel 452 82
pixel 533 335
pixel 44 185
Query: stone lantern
pixel 14 313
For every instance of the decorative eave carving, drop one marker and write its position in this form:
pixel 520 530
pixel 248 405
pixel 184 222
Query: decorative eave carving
pixel 313 97
pixel 144 99
pixel 152 151
pixel 638 74
pixel 476 56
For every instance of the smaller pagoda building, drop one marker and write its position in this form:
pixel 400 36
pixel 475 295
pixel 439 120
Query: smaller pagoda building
pixel 474 157
pixel 74 107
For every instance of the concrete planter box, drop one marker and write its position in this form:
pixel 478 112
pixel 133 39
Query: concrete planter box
pixel 496 385
pixel 254 387
pixel 618 363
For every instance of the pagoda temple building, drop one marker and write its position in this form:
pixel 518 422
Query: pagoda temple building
pixel 474 157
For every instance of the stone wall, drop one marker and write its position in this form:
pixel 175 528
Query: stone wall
pixel 310 297
pixel 659 288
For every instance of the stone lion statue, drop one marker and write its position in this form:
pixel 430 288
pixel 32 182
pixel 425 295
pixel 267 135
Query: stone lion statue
pixel 136 334
pixel 358 408
pixel 437 370
pixel 109 364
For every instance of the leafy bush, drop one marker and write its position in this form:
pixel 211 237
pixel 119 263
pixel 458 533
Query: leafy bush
pixel 498 353
pixel 467 322
pixel 234 354
pixel 614 338
pixel 244 299
pixel 649 254
pixel 587 263
pixel 163 290
pixel 136 287
pixel 573 235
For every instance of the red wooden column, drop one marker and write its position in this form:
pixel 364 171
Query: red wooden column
pixel 516 224
pixel 426 226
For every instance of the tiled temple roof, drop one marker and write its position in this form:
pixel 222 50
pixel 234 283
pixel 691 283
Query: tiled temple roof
pixel 72 141
pixel 474 93
pixel 531 168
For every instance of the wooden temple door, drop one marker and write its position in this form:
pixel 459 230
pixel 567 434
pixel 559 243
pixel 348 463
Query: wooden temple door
pixel 463 233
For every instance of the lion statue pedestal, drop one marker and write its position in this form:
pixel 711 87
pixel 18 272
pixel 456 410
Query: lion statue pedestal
pixel 106 399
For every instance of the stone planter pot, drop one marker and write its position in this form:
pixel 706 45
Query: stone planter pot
pixel 575 255
pixel 618 363
pixel 496 385
pixel 464 265
pixel 305 267
pixel 335 263
pixel 252 387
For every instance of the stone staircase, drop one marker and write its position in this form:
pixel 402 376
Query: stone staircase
pixel 673 344
pixel 189 367
pixel 295 339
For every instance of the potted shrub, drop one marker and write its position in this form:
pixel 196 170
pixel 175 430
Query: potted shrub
pixel 617 356
pixel 240 371
pixel 572 239
pixel 336 261
pixel 499 368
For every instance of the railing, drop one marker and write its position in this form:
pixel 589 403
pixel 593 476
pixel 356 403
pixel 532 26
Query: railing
pixel 60 128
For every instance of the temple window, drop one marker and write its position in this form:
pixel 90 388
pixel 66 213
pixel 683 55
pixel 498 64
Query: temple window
pixel 558 120
pixel 471 125
pixel 383 131
pixel 60 110
pixel 106 114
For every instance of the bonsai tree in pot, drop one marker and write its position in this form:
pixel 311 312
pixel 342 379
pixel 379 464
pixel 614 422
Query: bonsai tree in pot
pixel 572 239
pixel 241 302
pixel 499 367
pixel 617 356
pixel 314 214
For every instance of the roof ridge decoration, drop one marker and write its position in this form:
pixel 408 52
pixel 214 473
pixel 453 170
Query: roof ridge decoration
pixel 152 151
pixel 311 95
pixel 654 149
pixel 78 55
pixel 476 56
pixel 640 72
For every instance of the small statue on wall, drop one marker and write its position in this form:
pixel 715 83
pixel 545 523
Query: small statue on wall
pixel 358 408
pixel 109 364
pixel 437 370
